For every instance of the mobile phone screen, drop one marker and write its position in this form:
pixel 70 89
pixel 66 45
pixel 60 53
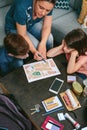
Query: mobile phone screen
pixel 56 85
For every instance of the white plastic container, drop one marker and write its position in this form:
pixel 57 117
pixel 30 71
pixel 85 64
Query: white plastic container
pixel 85 88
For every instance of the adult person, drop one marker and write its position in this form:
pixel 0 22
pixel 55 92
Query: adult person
pixel 24 18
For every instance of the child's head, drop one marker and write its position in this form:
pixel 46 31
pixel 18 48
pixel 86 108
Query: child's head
pixel 16 46
pixel 76 39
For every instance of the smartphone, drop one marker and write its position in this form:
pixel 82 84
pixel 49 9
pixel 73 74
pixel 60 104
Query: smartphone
pixel 56 85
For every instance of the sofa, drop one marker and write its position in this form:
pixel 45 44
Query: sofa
pixel 4 6
pixel 64 20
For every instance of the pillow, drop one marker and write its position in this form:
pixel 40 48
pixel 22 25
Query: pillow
pixel 77 6
pixel 83 12
pixel 62 4
pixel 84 25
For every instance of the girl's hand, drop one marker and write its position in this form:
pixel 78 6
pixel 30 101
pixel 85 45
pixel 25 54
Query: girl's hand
pixel 75 53
pixel 72 63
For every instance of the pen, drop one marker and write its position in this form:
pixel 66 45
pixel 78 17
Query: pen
pixel 41 57
pixel 47 113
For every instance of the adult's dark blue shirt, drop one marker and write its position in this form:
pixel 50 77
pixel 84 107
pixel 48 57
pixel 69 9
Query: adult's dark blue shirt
pixel 21 12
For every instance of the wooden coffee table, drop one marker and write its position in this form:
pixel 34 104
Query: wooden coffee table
pixel 29 94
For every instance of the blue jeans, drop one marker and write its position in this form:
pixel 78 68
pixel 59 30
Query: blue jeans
pixel 35 35
pixel 16 63
pixel 83 76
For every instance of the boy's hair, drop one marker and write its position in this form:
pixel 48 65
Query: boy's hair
pixel 16 44
pixel 77 39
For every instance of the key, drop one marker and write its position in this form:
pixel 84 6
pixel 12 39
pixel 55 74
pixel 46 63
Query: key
pixel 33 112
pixel 33 109
pixel 36 110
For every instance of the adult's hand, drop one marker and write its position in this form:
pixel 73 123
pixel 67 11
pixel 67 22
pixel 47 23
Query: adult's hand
pixel 42 49
pixel 37 55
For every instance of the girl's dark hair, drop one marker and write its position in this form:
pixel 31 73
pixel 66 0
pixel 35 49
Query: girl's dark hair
pixel 77 39
pixel 16 44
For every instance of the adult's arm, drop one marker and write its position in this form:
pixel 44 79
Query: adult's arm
pixel 46 29
pixel 21 29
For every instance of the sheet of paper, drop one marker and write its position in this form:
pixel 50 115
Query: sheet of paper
pixel 71 78
pixel 61 116
pixel 40 70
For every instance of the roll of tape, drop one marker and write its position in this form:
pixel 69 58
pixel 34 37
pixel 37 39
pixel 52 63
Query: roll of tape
pixel 77 88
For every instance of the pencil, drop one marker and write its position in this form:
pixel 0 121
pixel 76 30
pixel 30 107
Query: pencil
pixel 47 113
pixel 41 57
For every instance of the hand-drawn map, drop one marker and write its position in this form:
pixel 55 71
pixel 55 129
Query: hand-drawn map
pixel 40 70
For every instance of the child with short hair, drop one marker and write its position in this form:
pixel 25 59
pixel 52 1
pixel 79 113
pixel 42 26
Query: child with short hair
pixel 74 45
pixel 12 54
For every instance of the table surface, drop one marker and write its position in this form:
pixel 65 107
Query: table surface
pixel 29 94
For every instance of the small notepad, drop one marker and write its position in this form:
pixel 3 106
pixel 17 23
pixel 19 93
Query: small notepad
pixel 51 103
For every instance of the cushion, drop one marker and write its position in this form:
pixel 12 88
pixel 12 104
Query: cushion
pixel 61 12
pixel 84 25
pixel 72 3
pixel 77 4
pixel 83 12
pixel 61 26
pixel 62 4
pixel 2 23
